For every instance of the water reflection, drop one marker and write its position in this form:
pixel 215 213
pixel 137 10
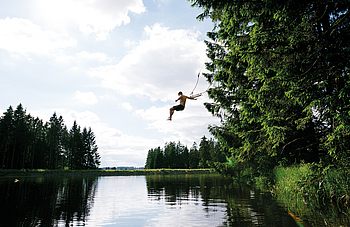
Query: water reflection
pixel 186 199
pixel 218 200
pixel 46 201
pixel 159 200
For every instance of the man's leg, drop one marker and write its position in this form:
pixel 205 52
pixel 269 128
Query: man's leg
pixel 171 113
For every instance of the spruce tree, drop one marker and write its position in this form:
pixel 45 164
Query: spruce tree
pixel 280 72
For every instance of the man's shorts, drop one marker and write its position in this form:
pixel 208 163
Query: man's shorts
pixel 179 107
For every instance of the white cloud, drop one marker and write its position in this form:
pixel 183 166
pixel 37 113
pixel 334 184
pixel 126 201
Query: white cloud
pixel 127 106
pixel 59 36
pixel 119 148
pixel 127 150
pixel 114 146
pixel 165 62
pixel 83 58
pixel 187 126
pixel 93 56
pixel 90 17
pixel 88 98
pixel 21 36
pixel 130 44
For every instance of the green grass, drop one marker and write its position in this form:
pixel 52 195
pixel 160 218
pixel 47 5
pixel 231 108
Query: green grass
pixel 288 185
pixel 310 190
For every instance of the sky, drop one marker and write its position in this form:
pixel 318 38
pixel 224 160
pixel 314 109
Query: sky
pixel 113 65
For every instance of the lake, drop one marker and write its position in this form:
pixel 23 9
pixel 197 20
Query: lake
pixel 155 200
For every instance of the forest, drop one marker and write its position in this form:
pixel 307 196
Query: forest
pixel 280 75
pixel 177 156
pixel 27 142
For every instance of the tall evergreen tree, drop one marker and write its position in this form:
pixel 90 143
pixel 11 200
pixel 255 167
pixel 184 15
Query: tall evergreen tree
pixel 280 70
pixel 21 132
pixel 170 155
pixel 28 142
pixel 6 137
pixel 176 155
pixel 55 141
pixel 155 159
pixel 75 150
pixel 39 148
pixel 204 153
pixel 193 157
pixel 149 159
pixel 92 158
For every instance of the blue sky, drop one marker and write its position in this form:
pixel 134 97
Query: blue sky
pixel 113 65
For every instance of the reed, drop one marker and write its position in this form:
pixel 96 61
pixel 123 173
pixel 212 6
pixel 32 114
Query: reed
pixel 288 185
pixel 307 188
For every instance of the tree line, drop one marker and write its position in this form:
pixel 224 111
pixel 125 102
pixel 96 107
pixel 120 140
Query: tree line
pixel 28 142
pixel 281 76
pixel 177 155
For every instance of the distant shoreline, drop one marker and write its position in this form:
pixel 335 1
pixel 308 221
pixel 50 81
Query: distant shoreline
pixel 100 172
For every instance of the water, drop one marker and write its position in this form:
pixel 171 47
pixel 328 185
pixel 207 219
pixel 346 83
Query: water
pixel 178 200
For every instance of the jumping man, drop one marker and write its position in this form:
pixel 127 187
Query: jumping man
pixel 181 106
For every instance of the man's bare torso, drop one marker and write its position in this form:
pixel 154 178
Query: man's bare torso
pixel 182 99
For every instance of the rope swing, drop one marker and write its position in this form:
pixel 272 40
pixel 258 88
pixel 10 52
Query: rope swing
pixel 195 86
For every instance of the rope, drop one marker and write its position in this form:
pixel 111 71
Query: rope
pixel 199 93
pixel 195 86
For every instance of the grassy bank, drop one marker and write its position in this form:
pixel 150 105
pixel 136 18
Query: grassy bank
pixel 310 190
pixel 137 172
pixel 304 183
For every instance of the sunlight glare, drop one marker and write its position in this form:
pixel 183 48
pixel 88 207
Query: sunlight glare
pixel 57 14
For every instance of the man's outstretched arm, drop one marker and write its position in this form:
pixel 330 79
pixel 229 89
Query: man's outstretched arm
pixel 191 98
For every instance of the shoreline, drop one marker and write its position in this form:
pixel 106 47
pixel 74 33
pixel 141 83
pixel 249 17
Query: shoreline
pixel 99 172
